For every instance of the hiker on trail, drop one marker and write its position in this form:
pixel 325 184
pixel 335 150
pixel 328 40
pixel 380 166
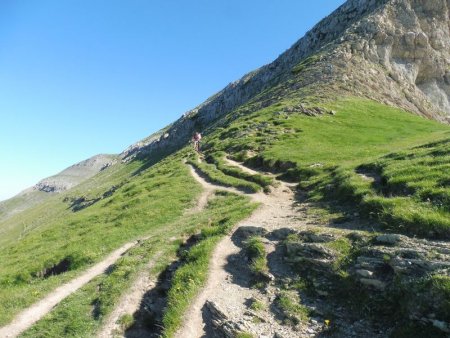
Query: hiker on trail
pixel 196 139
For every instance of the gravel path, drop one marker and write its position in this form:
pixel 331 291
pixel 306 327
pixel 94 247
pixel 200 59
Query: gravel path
pixel 228 282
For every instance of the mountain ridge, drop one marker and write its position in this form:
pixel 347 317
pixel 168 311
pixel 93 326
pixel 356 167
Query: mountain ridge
pixel 350 48
pixel 356 43
pixel 358 245
pixel 63 181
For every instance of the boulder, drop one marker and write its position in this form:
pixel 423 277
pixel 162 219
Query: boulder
pixel 389 239
pixel 308 249
pixel 222 326
pixel 364 273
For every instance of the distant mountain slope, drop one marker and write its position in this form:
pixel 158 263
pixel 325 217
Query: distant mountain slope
pixel 65 180
pixel 350 114
pixel 75 174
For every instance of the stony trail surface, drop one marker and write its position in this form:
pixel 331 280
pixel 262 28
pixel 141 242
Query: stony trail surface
pixel 227 285
pixel 223 307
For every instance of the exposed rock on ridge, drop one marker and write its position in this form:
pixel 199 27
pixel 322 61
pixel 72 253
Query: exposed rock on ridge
pixel 406 46
pixel 393 51
pixel 253 83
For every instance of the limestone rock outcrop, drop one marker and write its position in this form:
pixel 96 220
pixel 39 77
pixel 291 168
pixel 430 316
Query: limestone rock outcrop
pixel 393 51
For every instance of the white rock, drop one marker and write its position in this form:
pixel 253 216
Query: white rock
pixel 364 273
pixel 443 326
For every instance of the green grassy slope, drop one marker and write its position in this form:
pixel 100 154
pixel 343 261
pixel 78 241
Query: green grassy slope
pixel 360 130
pixel 143 204
pixel 378 162
pixel 407 191
pixel 326 154
pixel 53 207
pixel 76 317
pixel 13 205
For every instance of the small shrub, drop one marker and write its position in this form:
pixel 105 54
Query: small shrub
pixel 257 305
pixel 256 252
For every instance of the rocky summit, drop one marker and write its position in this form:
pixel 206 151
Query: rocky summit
pixel 317 206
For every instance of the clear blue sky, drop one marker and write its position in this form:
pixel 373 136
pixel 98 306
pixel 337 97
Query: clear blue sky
pixel 82 77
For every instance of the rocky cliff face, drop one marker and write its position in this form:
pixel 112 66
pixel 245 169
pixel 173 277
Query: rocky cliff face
pixel 405 44
pixel 393 51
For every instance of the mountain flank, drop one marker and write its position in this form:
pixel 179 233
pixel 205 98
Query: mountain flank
pixel 65 180
pixel 392 51
pixel 75 174
pixel 318 207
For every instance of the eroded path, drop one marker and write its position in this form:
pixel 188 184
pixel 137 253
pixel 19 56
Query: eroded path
pixel 291 233
pixel 31 315
pixel 128 303
pixel 228 285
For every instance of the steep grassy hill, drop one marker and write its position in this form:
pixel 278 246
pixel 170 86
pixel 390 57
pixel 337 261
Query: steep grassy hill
pixel 324 153
pixel 358 162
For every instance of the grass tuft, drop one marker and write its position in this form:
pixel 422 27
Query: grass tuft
pixel 217 159
pixel 218 177
pixel 293 311
pixel 256 252
pixel 190 277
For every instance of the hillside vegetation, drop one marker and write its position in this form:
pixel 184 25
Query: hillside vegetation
pixel 380 161
pixel 370 166
pixel 58 238
pixel 349 157
pixel 362 248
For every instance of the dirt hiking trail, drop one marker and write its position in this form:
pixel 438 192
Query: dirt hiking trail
pixel 224 287
pixel 128 303
pixel 31 315
pixel 130 300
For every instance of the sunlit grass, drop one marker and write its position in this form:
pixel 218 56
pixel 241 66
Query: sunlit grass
pixel 148 201
pixel 191 276
pixel 214 175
